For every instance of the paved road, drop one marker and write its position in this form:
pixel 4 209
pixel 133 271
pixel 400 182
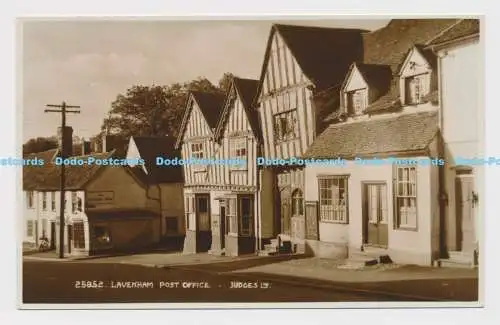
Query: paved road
pixel 53 282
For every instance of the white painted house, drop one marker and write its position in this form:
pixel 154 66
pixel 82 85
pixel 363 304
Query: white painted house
pixel 371 206
pixel 460 60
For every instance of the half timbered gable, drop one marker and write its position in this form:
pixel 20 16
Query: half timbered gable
pixel 238 136
pixel 300 61
pixel 196 136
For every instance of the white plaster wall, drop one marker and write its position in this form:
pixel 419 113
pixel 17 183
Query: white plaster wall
pixel 463 117
pixel 405 246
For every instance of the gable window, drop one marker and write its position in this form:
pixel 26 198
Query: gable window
pixel 197 150
pixel 285 126
pixel 415 89
pixel 356 101
pixel 238 147
pixel 53 201
pixel 406 197
pixel 333 199
pixel 44 200
pixel 30 199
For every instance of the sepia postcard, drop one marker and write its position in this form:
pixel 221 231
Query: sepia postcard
pixel 182 163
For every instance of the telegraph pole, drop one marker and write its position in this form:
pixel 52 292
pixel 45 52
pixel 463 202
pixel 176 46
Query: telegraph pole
pixel 63 110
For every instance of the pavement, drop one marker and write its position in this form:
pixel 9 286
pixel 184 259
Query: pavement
pixel 406 281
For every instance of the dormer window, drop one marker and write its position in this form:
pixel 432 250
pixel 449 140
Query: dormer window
pixel 415 77
pixel 356 101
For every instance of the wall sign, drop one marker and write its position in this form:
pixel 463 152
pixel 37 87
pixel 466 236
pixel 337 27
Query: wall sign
pixel 99 199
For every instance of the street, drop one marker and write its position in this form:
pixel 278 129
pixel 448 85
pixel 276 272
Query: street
pixel 80 282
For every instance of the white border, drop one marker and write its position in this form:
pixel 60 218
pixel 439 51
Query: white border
pixel 10 147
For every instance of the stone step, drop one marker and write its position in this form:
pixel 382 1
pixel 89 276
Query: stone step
pixel 458 260
pixel 270 248
pixel 267 253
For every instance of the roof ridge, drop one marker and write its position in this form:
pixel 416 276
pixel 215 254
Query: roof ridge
pixel 443 31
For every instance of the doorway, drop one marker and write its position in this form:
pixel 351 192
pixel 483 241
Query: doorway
pixel 375 225
pixel 466 206
pixel 203 222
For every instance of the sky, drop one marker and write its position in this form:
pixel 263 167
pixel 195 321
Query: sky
pixel 89 62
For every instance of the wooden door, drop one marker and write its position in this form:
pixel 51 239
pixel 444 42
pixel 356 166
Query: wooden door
pixel 203 213
pixel 466 200
pixel 375 214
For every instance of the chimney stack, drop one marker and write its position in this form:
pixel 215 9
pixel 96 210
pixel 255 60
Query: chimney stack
pixel 68 140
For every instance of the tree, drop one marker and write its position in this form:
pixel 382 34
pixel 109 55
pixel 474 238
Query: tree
pixel 39 144
pixel 152 110
pixel 225 81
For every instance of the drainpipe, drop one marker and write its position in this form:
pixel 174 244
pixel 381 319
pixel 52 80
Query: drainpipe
pixel 443 197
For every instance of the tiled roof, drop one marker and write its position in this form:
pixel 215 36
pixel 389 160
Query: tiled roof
pixel 376 75
pixel 317 51
pixel 152 147
pixel 323 54
pixel 246 89
pixel 210 105
pixel 47 176
pixel 402 134
pixel 388 47
pixel 464 28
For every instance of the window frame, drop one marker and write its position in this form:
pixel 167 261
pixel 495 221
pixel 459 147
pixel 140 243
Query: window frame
pixel 354 96
pixel 292 125
pixel 423 87
pixel 53 201
pixel 30 199
pixel 410 187
pixel 197 150
pixel 44 201
pixel 334 208
pixel 236 145
pixel 232 215
pixel 30 228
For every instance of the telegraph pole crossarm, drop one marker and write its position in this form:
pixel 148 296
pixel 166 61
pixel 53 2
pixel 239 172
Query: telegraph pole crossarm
pixel 63 110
